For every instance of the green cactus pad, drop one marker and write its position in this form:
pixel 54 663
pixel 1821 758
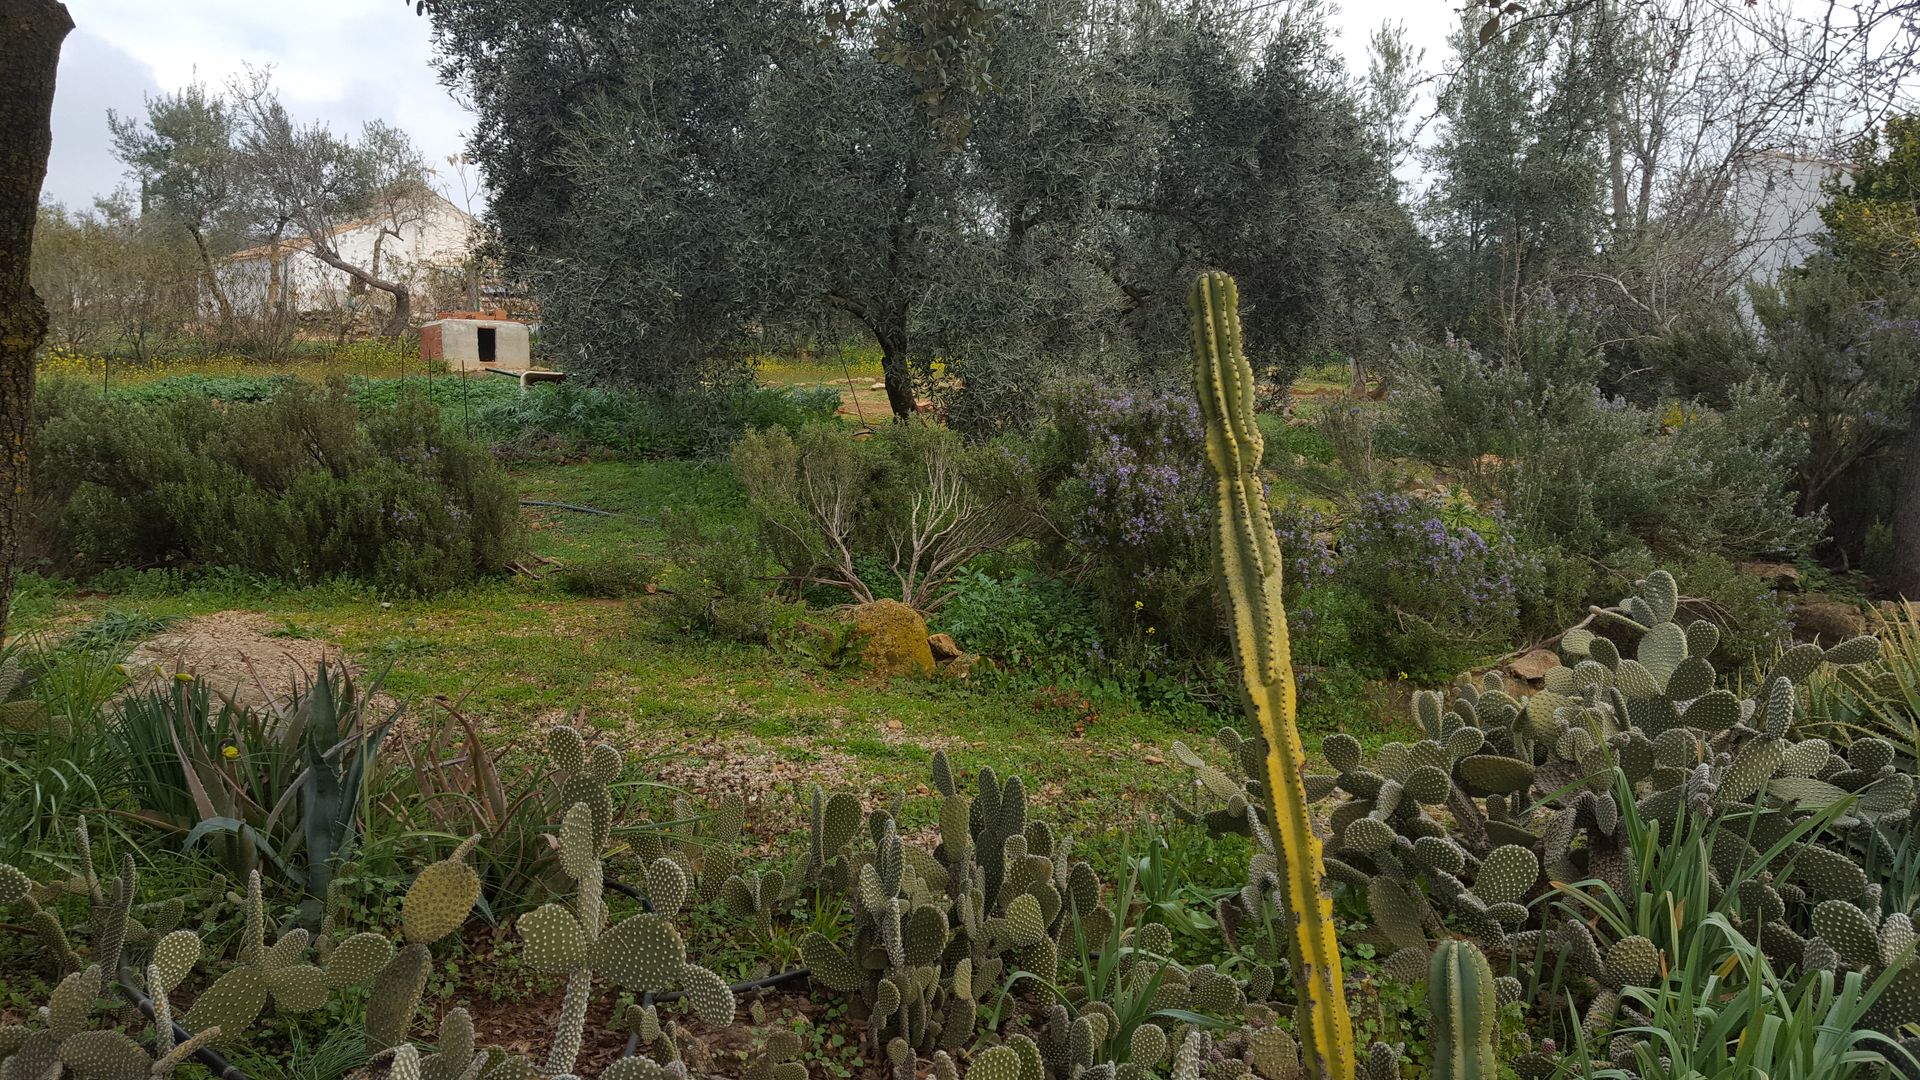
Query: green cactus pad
pixel 439 901
pixel 1148 1045
pixel 1662 650
pixel 1368 836
pixel 175 955
pixel 631 1068
pixel 396 997
pixel 644 953
pixel 579 853
pixel 1635 681
pixel 1342 751
pixel 554 941
pixel 298 988
pixel 1428 785
pixel 1632 961
pixel 667 886
pixel 1439 853
pixel 1506 874
pixel 1396 913
pixel 357 959
pixel 1024 925
pixel 1691 679
pixel 1827 873
pixel 566 749
pixel 230 1004
pixel 708 994
pixel 995 1063
pixel 1492 774
pixel 1870 755
pixel 830 965
pixel 1849 931
pixel 1752 767
pixel 1716 710
pixel 15 886
pixel 1859 650
pixel 104 1055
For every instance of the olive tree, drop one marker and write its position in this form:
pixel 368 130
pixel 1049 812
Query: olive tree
pixel 30 35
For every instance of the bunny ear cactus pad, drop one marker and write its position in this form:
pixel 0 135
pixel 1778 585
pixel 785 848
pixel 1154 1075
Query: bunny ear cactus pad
pixel 1249 560
pixel 442 896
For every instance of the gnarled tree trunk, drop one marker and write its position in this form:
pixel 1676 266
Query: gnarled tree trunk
pixel 30 35
pixel 1906 514
pixel 402 297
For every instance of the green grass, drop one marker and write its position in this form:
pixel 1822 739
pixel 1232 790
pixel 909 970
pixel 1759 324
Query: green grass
pixel 523 656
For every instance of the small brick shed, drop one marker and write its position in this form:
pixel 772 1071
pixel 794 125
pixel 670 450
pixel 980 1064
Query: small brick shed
pixel 476 341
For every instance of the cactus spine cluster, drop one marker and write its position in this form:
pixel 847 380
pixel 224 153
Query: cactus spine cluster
pixel 1250 566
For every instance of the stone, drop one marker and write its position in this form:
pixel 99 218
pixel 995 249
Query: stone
pixel 1829 622
pixel 943 646
pixel 1898 610
pixel 893 638
pixel 1777 575
pixel 960 667
pixel 1535 664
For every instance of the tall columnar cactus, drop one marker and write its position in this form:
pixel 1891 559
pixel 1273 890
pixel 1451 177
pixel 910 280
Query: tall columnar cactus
pixel 1465 1009
pixel 1250 564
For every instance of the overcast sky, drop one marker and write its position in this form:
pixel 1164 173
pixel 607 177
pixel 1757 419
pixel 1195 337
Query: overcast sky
pixel 349 61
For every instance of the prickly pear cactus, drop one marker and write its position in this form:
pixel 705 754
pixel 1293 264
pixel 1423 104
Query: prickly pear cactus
pixel 1510 788
pixel 643 953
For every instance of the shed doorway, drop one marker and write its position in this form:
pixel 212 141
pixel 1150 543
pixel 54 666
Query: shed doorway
pixel 487 347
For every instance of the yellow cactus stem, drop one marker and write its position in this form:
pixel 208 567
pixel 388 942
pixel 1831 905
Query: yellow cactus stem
pixel 1250 565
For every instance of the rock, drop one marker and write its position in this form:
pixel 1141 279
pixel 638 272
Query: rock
pixel 893 638
pixel 1776 575
pixel 943 646
pixel 1535 664
pixel 878 386
pixel 962 666
pixel 1896 610
pixel 1827 621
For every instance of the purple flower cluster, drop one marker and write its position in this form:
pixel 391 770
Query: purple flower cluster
pixel 1306 556
pixel 1403 551
pixel 1138 459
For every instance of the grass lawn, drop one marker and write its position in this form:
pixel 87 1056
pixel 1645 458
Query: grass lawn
pixel 712 715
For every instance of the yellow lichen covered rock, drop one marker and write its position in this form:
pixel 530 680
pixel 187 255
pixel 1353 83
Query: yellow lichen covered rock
pixel 893 638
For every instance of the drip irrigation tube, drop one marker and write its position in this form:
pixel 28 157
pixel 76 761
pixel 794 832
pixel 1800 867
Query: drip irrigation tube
pixel 217 1065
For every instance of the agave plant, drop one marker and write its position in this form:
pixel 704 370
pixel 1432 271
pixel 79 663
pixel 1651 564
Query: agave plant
pixel 281 786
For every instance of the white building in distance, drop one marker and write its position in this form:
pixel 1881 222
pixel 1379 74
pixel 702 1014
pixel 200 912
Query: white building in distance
pixel 438 238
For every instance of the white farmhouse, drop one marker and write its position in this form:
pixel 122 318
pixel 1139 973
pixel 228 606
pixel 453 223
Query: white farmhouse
pixel 438 237
pixel 1776 199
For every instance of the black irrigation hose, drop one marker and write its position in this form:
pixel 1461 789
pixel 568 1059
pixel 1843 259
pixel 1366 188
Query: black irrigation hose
pixel 575 507
pixel 217 1065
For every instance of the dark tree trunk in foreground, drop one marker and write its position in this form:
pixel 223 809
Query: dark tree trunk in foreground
pixel 1906 513
pixel 30 35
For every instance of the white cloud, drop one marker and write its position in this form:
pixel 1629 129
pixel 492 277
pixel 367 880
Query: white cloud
pixel 341 61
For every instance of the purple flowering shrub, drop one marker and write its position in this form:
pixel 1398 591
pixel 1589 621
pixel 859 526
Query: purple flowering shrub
pixel 1129 497
pixel 1441 588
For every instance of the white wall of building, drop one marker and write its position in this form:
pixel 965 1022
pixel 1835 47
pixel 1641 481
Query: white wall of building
pixel 441 237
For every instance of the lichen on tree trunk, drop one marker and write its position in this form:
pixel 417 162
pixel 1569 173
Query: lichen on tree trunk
pixel 30 35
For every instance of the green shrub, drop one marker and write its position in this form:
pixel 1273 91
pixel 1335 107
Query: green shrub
pixel 299 488
pixel 1600 476
pixel 610 577
pixel 716 584
pixel 576 415
pixel 1023 619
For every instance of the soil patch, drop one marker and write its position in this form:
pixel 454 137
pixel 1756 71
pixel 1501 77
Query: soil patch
pixel 241 654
